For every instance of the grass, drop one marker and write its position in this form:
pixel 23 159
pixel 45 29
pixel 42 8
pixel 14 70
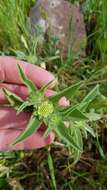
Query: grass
pixel 52 167
pixel 96 17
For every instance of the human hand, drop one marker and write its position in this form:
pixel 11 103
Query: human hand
pixel 10 124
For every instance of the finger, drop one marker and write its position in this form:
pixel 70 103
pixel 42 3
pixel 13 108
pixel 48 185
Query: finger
pixel 9 119
pixel 8 136
pixel 11 126
pixel 9 72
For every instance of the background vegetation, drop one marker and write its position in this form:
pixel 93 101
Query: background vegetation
pixel 52 167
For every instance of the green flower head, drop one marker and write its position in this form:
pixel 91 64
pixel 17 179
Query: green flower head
pixel 45 109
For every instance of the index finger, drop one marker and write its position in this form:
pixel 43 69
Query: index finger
pixel 9 72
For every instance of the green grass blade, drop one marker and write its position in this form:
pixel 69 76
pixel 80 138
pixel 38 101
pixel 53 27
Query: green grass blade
pixel 52 172
pixel 31 128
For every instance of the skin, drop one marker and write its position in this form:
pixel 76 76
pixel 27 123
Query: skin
pixel 10 124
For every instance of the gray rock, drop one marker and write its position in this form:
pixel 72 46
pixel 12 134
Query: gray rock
pixel 64 20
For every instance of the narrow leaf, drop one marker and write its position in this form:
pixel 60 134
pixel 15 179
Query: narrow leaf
pixel 13 99
pixel 67 92
pixel 84 131
pixel 100 149
pixel 94 92
pixel 77 114
pixel 49 129
pixel 77 136
pixel 64 134
pixel 31 128
pixel 67 110
pixel 90 97
pixel 30 85
pixel 93 116
pixel 90 130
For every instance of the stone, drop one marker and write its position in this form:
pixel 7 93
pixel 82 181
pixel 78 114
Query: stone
pixel 64 20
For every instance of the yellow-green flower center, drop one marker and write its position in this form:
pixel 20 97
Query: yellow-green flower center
pixel 45 109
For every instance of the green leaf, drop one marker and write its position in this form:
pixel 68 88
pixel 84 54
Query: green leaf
pixel 13 99
pixel 77 137
pixel 99 147
pixel 48 131
pixel 93 116
pixel 30 85
pixel 31 128
pixel 67 110
pixel 84 131
pixel 90 97
pixel 51 123
pixel 77 114
pixel 67 92
pixel 94 92
pixel 81 125
pixel 64 134
pixel 90 130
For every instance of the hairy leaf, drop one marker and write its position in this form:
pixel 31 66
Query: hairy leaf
pixel 67 110
pixel 49 129
pixel 77 115
pixel 93 116
pixel 67 92
pixel 31 128
pixel 13 99
pixel 30 85
pixel 90 130
pixel 73 111
pixel 64 134
pixel 77 136
pixel 90 97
